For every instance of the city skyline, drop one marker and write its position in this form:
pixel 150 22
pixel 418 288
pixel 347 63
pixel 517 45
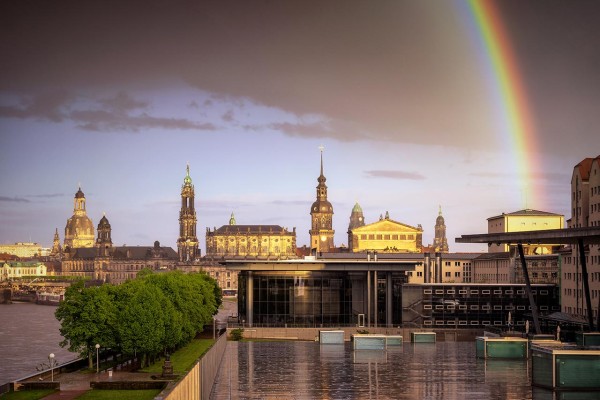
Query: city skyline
pixel 403 95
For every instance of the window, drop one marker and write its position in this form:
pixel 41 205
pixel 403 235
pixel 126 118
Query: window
pixel 457 274
pixel 448 274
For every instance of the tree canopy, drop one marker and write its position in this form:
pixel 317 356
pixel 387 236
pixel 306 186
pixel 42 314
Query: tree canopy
pixel 148 315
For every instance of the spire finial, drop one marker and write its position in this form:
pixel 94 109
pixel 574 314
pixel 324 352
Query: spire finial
pixel 321 147
pixel 440 206
pixel 188 168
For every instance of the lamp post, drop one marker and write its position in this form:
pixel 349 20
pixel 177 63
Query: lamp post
pixel 97 360
pixel 51 362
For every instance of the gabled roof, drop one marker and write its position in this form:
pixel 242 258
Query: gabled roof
pixel 251 229
pixel 527 212
pixel 584 168
pixel 370 226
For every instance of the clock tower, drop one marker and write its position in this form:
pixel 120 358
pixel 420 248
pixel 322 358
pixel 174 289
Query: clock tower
pixel 187 244
pixel 321 212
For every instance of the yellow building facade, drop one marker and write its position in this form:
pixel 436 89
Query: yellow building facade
pixel 525 220
pixel 387 236
pixel 251 241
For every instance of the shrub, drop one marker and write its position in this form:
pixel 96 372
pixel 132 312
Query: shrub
pixel 237 334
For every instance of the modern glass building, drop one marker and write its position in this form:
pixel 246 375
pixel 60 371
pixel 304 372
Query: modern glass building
pixel 315 293
pixel 374 293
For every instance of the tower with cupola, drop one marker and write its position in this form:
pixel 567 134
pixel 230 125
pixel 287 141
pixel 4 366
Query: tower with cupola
pixel 321 212
pixel 187 244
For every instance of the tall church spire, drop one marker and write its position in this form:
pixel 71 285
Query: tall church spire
pixel 321 211
pixel 440 243
pixel 187 244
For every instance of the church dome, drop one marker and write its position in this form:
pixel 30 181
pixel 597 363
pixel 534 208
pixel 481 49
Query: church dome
pixel 439 220
pixel 357 208
pixel 79 194
pixel 79 227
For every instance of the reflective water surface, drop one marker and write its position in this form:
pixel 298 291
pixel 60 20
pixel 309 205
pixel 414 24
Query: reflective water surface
pixel 308 370
pixel 28 334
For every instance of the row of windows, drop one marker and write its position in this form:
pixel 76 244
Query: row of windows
pixel 483 291
pixel 462 322
pixel 253 240
pixel 387 237
pixel 571 310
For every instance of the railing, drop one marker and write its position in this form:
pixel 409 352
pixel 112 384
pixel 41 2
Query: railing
pixel 198 382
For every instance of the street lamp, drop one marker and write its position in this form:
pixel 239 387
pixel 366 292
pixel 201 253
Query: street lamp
pixel 97 360
pixel 51 362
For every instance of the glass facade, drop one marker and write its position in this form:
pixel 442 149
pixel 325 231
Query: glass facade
pixel 315 298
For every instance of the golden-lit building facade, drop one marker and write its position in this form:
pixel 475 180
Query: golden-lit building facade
pixel 251 242
pixel 525 220
pixel 321 214
pixel 79 231
pixel 585 209
pixel 388 236
pixel 115 265
pixel 23 250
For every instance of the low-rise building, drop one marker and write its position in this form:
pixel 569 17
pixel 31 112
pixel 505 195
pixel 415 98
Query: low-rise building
pixel 20 269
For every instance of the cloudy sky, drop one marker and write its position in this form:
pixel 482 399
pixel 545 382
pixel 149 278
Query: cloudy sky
pixel 118 97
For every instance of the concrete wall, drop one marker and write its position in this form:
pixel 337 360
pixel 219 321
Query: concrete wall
pixel 198 382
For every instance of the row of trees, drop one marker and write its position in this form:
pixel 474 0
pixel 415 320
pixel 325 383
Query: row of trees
pixel 142 317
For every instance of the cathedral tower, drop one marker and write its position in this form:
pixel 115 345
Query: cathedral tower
pixel 187 244
pixel 440 243
pixel 56 248
pixel 104 241
pixel 79 231
pixel 356 220
pixel 321 211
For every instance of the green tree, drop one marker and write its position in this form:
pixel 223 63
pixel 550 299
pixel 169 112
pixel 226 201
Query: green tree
pixel 88 316
pixel 141 319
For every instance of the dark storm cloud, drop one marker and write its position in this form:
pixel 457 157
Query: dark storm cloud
pixel 13 199
pixel 106 121
pixel 395 71
pixel 109 114
pixel 403 175
pixel 46 196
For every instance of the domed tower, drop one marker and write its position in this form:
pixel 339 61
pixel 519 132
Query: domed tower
pixel 104 241
pixel 440 243
pixel 232 219
pixel 187 244
pixel 356 219
pixel 321 211
pixel 79 231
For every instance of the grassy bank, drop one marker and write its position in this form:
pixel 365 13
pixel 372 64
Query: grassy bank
pixel 183 359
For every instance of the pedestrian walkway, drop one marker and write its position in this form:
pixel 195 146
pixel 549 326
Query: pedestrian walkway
pixel 73 384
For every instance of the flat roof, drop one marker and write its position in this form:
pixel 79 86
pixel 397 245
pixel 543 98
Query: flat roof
pixel 320 265
pixel 589 235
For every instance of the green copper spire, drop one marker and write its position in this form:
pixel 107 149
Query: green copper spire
pixel 232 219
pixel 187 180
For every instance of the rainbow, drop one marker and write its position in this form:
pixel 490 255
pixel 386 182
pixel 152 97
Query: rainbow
pixel 519 128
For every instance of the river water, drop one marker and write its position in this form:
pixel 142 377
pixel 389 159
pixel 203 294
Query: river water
pixel 307 370
pixel 28 334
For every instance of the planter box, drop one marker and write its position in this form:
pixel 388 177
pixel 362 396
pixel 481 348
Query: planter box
pixel 422 337
pixel 331 337
pixel 505 348
pixel 566 368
